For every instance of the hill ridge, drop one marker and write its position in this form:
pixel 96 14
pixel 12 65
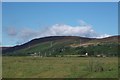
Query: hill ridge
pixel 61 41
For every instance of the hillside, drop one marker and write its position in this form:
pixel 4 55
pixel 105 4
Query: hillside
pixel 65 45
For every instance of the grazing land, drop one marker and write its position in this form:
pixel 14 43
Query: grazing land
pixel 59 67
pixel 62 57
pixel 0 66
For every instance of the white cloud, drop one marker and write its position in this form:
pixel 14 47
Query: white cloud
pixel 11 31
pixel 27 33
pixel 21 34
pixel 103 36
pixel 82 23
pixel 83 30
pixel 67 30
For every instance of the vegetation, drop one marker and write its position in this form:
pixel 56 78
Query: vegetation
pixel 62 57
pixel 0 66
pixel 60 67
pixel 65 45
pixel 62 49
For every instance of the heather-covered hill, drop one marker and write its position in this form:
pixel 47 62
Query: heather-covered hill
pixel 66 45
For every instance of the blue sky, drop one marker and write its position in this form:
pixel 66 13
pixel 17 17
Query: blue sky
pixel 22 22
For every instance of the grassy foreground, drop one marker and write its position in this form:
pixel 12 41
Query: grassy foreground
pixel 0 66
pixel 59 67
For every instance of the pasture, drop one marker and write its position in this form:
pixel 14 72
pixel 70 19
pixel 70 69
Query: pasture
pixel 59 67
pixel 0 66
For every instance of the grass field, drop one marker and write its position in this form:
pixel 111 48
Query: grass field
pixel 0 66
pixel 60 67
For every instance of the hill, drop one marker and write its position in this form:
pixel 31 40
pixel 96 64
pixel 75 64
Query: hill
pixel 65 45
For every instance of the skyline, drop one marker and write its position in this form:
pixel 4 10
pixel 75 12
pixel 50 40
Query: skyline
pixel 25 21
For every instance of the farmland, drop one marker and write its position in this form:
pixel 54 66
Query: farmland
pixel 59 67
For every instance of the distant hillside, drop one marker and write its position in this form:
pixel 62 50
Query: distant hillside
pixel 47 39
pixel 112 39
pixel 59 45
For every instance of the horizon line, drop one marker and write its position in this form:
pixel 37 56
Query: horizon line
pixel 53 36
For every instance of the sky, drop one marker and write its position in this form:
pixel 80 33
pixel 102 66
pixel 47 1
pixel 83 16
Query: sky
pixel 24 21
pixel 60 0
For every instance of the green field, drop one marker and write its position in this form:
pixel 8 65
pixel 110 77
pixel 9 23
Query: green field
pixel 0 66
pixel 59 67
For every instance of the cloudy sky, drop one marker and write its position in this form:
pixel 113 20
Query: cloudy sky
pixel 25 21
